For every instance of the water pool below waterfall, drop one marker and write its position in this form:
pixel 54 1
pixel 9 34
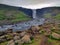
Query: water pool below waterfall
pixel 23 25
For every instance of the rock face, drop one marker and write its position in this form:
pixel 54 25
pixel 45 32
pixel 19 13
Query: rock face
pixel 55 35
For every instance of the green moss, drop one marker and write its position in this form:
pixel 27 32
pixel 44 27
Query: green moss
pixel 16 43
pixel 53 28
pixel 53 41
pixel 41 31
pixel 49 40
pixel 4 43
pixel 9 37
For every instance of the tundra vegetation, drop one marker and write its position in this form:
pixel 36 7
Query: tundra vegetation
pixel 45 34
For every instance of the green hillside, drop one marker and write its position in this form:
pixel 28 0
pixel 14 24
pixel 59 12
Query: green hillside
pixel 57 17
pixel 11 14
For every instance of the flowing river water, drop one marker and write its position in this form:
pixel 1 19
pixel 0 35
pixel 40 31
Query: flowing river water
pixel 23 25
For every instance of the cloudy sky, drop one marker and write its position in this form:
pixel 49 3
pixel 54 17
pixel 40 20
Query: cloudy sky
pixel 32 4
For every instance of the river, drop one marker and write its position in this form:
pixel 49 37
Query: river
pixel 23 25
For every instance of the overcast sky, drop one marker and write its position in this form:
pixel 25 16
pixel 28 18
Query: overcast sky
pixel 33 4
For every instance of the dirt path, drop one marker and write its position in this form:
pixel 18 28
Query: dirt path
pixel 44 40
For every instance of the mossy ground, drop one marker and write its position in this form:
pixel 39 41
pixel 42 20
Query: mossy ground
pixel 4 43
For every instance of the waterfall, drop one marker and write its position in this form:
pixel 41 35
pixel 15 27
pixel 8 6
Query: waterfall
pixel 34 13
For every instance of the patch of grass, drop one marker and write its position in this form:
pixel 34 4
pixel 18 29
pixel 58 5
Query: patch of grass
pixel 2 16
pixel 50 40
pixel 20 17
pixel 55 42
pixel 47 15
pixel 51 37
pixel 41 31
pixel 25 44
pixel 57 17
pixel 4 43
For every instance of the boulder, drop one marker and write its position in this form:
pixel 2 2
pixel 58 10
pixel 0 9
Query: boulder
pixel 55 35
pixel 47 31
pixel 16 38
pixel 35 28
pixel 22 34
pixel 2 38
pixel 9 31
pixel 26 39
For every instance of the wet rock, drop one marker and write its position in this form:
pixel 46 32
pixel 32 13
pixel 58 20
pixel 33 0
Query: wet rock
pixel 9 31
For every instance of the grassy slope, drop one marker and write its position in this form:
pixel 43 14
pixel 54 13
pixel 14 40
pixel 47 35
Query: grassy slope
pixel 57 17
pixel 20 16
pixel 51 16
pixel 12 14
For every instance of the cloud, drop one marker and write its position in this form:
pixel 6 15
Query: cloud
pixel 32 4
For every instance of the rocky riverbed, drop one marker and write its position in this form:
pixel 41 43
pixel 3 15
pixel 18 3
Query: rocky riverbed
pixel 23 25
pixel 45 34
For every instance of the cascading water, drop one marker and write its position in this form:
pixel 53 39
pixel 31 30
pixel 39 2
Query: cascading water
pixel 34 13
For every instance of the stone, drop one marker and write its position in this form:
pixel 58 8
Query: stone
pixel 55 35
pixel 35 29
pixel 22 34
pixel 9 31
pixel 26 39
